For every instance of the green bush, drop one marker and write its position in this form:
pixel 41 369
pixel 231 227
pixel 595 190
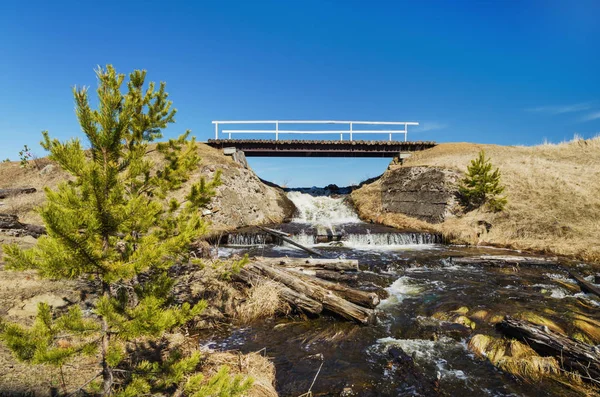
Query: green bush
pixel 482 186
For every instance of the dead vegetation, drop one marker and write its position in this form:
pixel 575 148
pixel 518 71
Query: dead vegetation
pixel 254 365
pixel 513 356
pixel 263 301
pixel 553 198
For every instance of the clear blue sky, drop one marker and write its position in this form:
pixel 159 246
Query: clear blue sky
pixel 507 72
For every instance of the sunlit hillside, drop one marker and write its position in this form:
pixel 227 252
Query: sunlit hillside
pixel 553 195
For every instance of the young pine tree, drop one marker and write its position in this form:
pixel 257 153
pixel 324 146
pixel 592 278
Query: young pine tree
pixel 482 186
pixel 112 224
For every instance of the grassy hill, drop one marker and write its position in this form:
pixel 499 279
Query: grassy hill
pixel 242 199
pixel 553 195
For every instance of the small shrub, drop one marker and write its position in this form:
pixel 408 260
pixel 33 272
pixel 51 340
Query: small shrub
pixel 482 186
pixel 26 156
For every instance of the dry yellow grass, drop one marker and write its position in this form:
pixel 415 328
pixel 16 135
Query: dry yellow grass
pixel 514 357
pixel 12 175
pixel 263 301
pixel 254 365
pixel 553 197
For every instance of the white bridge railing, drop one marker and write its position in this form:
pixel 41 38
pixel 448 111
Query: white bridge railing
pixel 351 131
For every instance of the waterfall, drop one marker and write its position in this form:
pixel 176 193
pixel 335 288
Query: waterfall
pixel 386 239
pixel 321 219
pixel 322 210
pixel 247 239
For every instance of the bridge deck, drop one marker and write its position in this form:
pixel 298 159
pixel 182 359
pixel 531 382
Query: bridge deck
pixel 309 148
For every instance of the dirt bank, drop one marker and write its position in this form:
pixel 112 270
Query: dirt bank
pixel 241 200
pixel 553 197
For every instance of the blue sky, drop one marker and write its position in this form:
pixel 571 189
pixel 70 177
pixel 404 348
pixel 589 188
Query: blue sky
pixel 506 72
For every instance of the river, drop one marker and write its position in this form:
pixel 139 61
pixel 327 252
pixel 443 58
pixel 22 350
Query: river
pixel 418 273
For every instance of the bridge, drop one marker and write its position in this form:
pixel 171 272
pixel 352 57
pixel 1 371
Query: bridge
pixel 346 146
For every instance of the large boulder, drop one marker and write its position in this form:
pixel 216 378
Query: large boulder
pixel 244 200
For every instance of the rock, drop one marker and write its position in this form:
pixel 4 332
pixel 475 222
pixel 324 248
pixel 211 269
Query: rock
pixel 399 355
pixel 244 200
pixel 240 158
pixel 28 308
pixel 9 224
pixel 47 169
pixel 9 192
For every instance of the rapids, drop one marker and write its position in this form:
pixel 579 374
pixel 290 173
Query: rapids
pixel 418 273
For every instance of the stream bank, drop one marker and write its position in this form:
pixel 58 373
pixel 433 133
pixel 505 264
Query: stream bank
pixel 428 336
pixel 552 191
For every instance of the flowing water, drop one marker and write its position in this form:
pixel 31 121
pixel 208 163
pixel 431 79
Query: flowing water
pixel 421 279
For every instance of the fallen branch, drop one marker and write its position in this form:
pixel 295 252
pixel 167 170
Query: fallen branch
pixel 583 284
pixel 274 231
pixel 292 242
pixel 570 353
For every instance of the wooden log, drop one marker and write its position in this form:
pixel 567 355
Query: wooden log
pixel 11 222
pixel 570 353
pixel 336 275
pixel 324 264
pixel 583 284
pixel 274 231
pixel 503 260
pixel 330 301
pixel 362 298
pixel 4 193
pixel 297 300
pixel 292 242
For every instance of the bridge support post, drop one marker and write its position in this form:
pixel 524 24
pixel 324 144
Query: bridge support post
pixel 237 155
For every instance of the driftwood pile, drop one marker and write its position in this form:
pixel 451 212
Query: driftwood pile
pixel 306 285
pixel 572 354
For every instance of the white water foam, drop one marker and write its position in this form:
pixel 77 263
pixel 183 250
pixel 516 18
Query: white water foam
pixel 560 277
pixel 400 289
pixel 322 210
pixel 303 239
pixel 429 351
pixel 555 292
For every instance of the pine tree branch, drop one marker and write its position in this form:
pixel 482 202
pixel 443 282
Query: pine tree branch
pixel 80 388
